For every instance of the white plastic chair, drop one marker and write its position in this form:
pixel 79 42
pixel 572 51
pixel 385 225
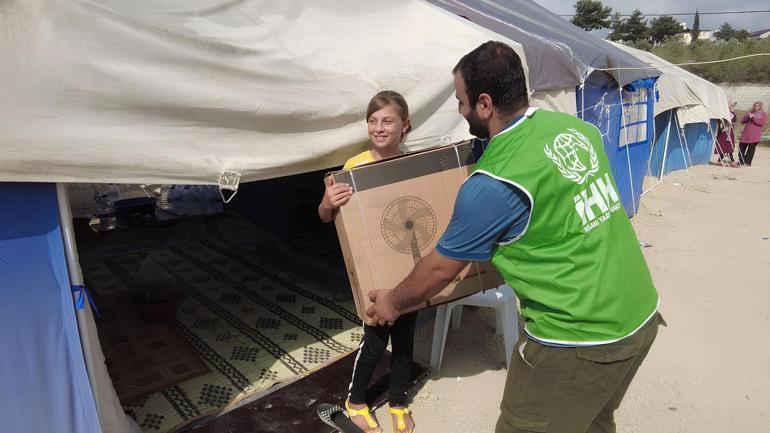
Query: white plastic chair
pixel 502 299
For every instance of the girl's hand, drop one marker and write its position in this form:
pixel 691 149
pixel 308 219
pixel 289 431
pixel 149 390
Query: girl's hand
pixel 336 194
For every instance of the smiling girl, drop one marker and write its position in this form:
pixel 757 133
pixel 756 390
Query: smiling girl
pixel 388 123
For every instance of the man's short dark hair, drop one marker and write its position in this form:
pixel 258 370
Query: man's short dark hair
pixel 494 68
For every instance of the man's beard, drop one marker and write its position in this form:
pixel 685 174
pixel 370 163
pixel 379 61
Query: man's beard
pixel 475 126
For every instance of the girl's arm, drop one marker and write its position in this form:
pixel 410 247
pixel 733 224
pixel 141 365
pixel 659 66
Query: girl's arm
pixel 335 195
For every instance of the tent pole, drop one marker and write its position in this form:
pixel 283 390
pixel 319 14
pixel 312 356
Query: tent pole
pixel 665 146
pixel 652 149
pixel 76 279
pixel 687 156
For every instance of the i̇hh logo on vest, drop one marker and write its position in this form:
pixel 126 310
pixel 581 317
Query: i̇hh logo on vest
pixel 575 158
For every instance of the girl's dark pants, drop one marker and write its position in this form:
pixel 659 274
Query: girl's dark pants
pixel 371 350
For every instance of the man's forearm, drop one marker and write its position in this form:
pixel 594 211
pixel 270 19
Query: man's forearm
pixel 431 274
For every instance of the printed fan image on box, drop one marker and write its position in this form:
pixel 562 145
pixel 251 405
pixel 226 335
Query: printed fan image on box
pixel 396 215
pixel 409 225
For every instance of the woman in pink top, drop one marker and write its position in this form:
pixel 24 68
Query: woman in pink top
pixel 752 132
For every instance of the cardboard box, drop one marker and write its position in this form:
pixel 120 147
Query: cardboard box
pixel 399 209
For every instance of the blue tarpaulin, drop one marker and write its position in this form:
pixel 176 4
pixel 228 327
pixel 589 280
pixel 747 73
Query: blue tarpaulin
pixel 42 370
pixel 677 149
pixel 624 119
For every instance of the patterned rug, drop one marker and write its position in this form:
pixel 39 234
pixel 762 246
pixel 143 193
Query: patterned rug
pixel 252 324
pixel 143 357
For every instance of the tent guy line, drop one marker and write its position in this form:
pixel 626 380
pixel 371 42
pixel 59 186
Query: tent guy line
pixel 685 64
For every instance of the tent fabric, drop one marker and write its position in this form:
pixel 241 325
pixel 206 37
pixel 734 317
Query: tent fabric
pixel 677 149
pixel 702 99
pixel 180 91
pixel 559 53
pixel 112 417
pixel 624 118
pixel 562 100
pixel 45 383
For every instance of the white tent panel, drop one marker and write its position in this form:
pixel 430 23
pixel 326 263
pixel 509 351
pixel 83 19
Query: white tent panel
pixel 681 88
pixel 180 91
pixel 563 100
pixel 693 114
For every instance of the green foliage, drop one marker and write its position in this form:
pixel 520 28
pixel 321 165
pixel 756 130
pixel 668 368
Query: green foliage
pixel 591 15
pixel 750 70
pixel 636 26
pixel 725 32
pixel 695 34
pixel 742 35
pixel 643 45
pixel 616 24
pixel 632 29
pixel 663 28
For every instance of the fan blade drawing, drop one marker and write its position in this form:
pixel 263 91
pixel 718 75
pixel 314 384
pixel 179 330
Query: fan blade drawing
pixel 421 213
pixel 409 225
pixel 405 244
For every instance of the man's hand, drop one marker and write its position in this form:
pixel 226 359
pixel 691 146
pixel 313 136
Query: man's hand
pixel 431 274
pixel 384 311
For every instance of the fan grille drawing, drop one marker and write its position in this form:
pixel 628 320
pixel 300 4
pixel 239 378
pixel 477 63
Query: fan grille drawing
pixel 409 225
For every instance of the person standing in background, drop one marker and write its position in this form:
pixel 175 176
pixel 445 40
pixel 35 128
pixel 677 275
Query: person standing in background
pixel 752 133
pixel 726 137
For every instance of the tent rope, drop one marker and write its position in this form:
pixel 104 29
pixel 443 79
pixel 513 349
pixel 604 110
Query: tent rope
pixel 683 64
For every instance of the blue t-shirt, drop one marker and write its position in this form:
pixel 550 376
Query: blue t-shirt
pixel 487 211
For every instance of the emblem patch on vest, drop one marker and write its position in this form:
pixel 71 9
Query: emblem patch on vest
pixel 573 155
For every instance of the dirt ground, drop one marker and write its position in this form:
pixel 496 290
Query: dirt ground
pixel 708 371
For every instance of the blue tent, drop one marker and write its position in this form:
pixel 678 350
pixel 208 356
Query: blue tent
pixel 624 118
pixel 42 369
pixel 680 146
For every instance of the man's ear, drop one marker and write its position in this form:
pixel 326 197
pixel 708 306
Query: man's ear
pixel 484 105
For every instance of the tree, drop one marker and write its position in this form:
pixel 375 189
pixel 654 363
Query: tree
pixel 725 32
pixel 636 27
pixel 618 27
pixel 591 15
pixel 695 33
pixel 662 28
pixel 631 29
pixel 742 35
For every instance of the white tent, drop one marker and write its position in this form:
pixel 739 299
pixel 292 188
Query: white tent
pixel 686 117
pixel 183 91
pixel 698 99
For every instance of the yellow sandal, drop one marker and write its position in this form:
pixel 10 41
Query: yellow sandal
pixel 399 413
pixel 370 421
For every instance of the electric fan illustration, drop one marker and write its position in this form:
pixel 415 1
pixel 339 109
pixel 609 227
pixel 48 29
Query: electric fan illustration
pixel 409 225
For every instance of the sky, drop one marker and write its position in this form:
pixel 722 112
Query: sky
pixel 750 22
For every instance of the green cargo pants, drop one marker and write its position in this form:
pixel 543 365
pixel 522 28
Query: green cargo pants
pixel 571 390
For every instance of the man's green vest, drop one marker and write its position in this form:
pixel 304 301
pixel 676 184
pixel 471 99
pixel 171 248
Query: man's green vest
pixel 577 269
